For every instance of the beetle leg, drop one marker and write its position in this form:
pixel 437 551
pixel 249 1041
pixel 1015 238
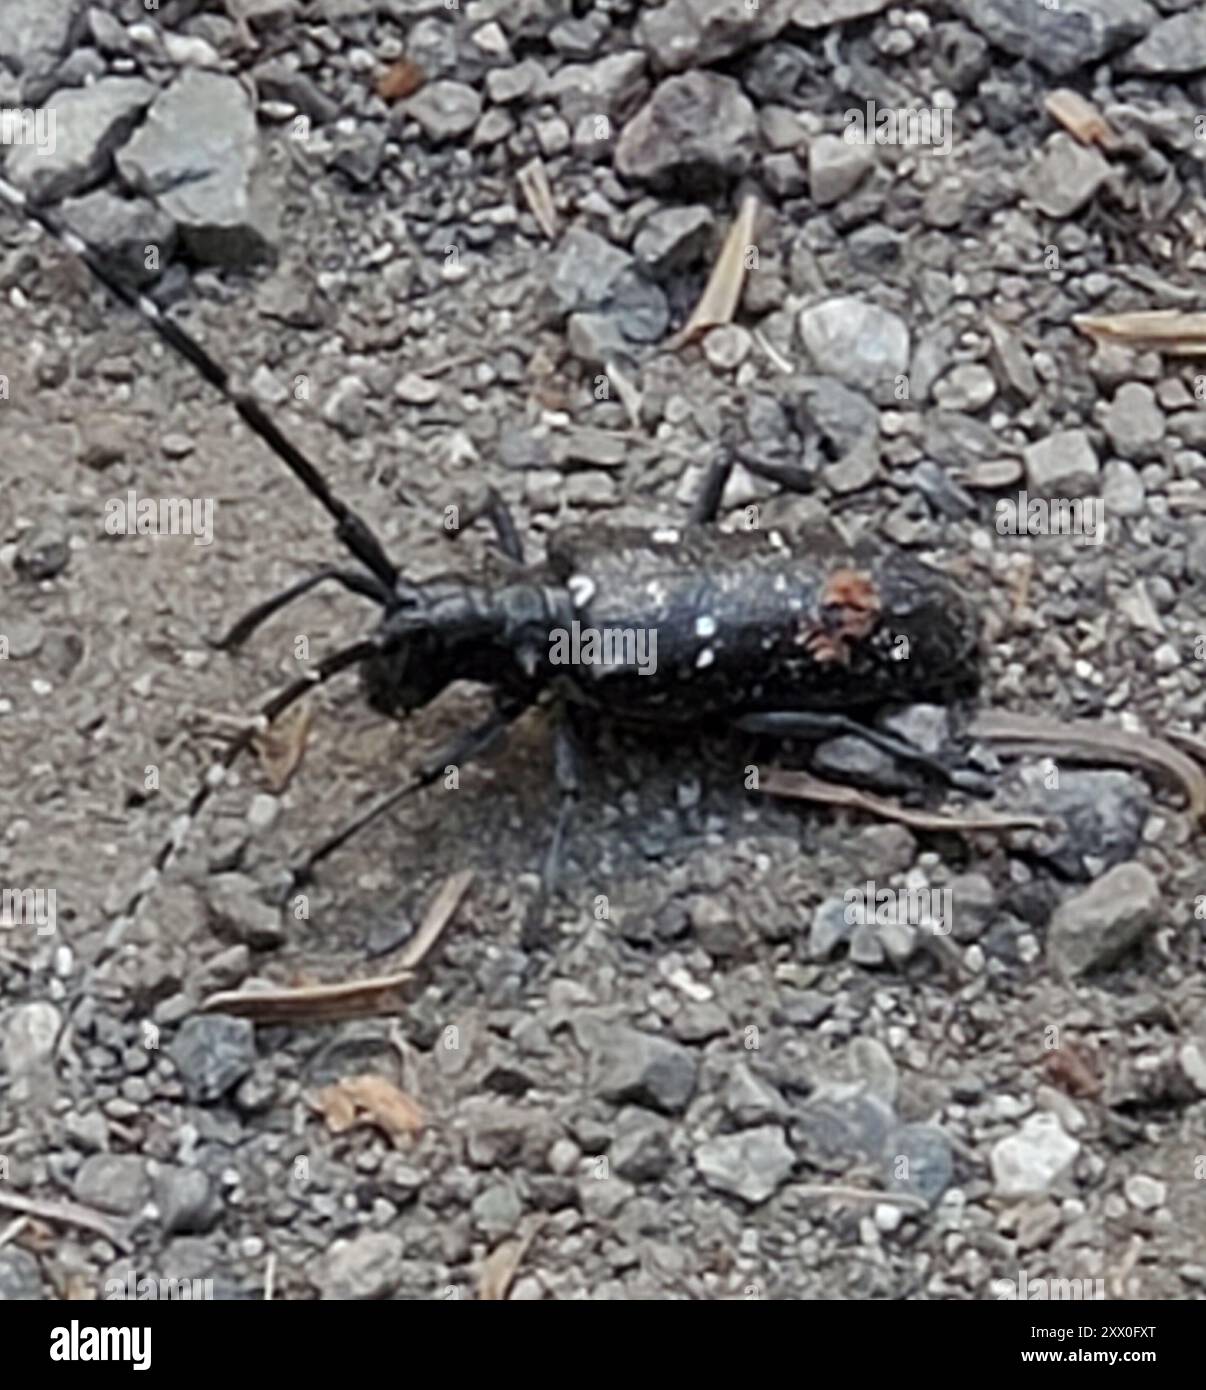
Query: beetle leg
pixel 818 725
pixel 488 504
pixel 707 504
pixel 792 476
pixel 567 770
pixel 467 745
pixel 344 659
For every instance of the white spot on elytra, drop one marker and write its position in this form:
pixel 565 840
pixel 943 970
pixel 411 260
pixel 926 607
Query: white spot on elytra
pixel 705 659
pixel 705 626
pixel 582 589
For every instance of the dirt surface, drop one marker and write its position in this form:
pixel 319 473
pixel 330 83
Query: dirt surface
pixel 674 1094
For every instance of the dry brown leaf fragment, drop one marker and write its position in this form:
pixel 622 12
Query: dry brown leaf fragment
pixel 439 913
pixel 1071 1072
pixel 1190 744
pixel 722 294
pixel 336 1107
pixel 534 181
pixel 803 786
pixel 281 746
pixel 369 1099
pixel 1080 118
pixel 292 1004
pixel 65 1213
pixel 401 80
pixel 1164 330
pixel 1086 740
pixel 500 1266
pixel 37 1237
pixel 380 994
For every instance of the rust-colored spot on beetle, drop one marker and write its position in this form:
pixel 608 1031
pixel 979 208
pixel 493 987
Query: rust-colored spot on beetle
pixel 848 611
pixel 852 596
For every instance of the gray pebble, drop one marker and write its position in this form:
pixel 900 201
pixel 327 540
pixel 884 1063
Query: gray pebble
pixel 751 1165
pixel 20 1277
pixel 646 1070
pixel 212 1052
pixel 366 1267
pixel 236 909
pixel 1094 928
pixel 113 1182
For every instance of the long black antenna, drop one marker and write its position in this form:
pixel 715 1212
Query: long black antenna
pixel 352 531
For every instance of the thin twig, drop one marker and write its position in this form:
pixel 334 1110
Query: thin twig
pixel 722 293
pixel 908 1200
pixel 501 1265
pixel 1084 739
pixel 803 786
pixel 13 1230
pixel 379 994
pixel 67 1214
pixel 439 914
pixel 775 356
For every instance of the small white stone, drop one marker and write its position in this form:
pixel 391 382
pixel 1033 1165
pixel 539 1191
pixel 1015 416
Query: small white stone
pixel 564 1157
pixel 1032 1161
pixel 1145 1193
pixel 490 38
pixel 263 811
pixel 705 659
pixel 727 347
pixel 29 1036
pixel 414 389
pixel 1193 1064
pixel 888 1217
pixel 705 626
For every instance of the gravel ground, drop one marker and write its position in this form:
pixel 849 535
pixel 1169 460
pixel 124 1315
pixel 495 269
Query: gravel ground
pixel 705 1082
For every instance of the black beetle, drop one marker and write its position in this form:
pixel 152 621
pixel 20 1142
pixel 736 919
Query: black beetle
pixel 668 627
